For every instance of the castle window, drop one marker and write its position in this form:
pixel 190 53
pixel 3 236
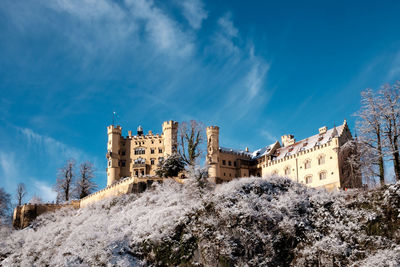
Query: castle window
pixel 152 150
pixel 223 162
pixel 322 175
pixel 307 164
pixel 140 161
pixel 123 153
pixel 308 179
pixel 234 163
pixel 287 171
pixel 109 163
pixel 160 150
pixel 229 175
pixel 142 172
pixel 321 160
pixel 229 163
pixel 224 174
pixel 140 151
pixel 152 161
pixel 152 141
pixel 160 141
pixel 123 163
pixel 136 173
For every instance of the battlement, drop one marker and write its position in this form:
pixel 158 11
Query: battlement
pixel 212 128
pixel 111 129
pixel 170 124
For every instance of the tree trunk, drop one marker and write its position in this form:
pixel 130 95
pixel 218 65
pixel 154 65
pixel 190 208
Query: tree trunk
pixel 396 159
pixel 380 159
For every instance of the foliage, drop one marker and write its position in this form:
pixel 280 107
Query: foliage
pixel 171 166
pixel 5 204
pixel 379 129
pixel 85 185
pixel 191 136
pixel 65 180
pixel 20 193
pixel 246 222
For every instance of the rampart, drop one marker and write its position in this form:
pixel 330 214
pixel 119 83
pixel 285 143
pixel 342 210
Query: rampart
pixel 25 214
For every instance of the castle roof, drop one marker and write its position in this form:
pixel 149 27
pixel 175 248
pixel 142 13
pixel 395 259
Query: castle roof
pixel 252 155
pixel 281 152
pixel 310 142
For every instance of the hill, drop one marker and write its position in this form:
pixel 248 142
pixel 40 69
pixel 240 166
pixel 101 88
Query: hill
pixel 251 221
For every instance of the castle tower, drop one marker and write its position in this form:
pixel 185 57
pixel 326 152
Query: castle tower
pixel 213 152
pixel 170 132
pixel 113 147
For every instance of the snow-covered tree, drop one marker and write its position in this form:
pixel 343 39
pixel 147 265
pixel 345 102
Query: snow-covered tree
pixel 20 193
pixel 5 204
pixel 36 200
pixel 369 127
pixel 171 166
pixel 390 113
pixel 65 179
pixel 191 136
pixel 85 185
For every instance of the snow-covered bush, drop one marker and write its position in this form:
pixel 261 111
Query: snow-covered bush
pixel 246 222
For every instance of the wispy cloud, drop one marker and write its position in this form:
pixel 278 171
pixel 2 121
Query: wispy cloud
pixel 268 135
pixel 194 12
pixel 45 191
pixel 8 168
pixel 50 146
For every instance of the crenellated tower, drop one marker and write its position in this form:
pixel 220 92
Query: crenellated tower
pixel 213 152
pixel 113 155
pixel 170 134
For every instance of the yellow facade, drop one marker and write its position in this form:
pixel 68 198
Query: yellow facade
pixel 313 161
pixel 138 155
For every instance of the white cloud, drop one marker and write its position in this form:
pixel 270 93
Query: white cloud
pixel 194 12
pixel 270 137
pixel 45 191
pixel 162 31
pixel 53 148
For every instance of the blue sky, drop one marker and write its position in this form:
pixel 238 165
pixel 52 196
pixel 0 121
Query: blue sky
pixel 258 69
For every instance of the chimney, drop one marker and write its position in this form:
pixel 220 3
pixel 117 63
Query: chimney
pixel 322 130
pixel 247 149
pixel 130 134
pixel 288 140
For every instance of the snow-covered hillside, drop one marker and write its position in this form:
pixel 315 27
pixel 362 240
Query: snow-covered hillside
pixel 251 221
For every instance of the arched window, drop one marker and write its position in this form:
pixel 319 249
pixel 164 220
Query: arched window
pixel 287 170
pixel 322 175
pixel 308 179
pixel 321 159
pixel 307 164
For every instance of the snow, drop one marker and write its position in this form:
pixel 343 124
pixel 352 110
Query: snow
pixel 246 222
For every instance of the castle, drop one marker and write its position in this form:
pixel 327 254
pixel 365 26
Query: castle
pixel 314 161
pixel 138 155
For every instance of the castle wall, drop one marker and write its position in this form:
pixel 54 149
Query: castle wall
pixel 299 172
pixel 122 187
pixel 25 214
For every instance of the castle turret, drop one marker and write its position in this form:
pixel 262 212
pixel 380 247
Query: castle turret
pixel 288 140
pixel 213 152
pixel 170 132
pixel 113 147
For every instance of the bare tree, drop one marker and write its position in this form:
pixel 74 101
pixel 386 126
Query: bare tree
pixel 191 136
pixel 21 193
pixel 5 203
pixel 369 127
pixel 390 112
pixel 85 185
pixel 64 185
pixel 36 200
